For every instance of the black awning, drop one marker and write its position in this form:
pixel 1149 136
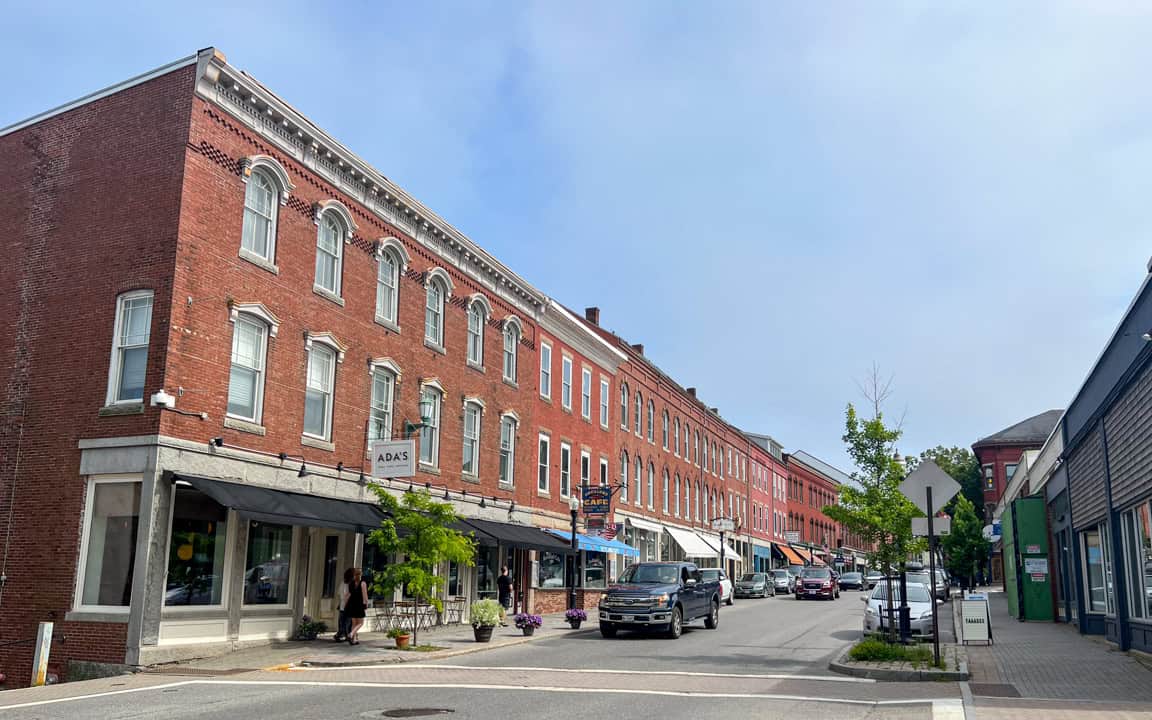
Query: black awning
pixel 492 532
pixel 289 508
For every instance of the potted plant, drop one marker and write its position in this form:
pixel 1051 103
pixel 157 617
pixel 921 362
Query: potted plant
pixel 401 636
pixel 308 628
pixel 528 623
pixel 484 615
pixel 575 616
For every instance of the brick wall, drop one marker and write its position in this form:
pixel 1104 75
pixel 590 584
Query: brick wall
pixel 556 601
pixel 90 200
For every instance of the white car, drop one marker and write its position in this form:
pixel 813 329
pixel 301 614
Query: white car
pixel 920 607
pixel 726 588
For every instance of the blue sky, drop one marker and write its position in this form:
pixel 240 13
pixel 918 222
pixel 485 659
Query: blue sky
pixel 770 197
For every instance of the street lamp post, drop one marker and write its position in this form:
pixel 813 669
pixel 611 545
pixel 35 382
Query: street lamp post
pixel 425 419
pixel 574 506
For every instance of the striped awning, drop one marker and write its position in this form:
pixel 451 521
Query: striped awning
pixel 790 555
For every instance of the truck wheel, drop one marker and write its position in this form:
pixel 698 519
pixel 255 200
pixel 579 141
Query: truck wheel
pixel 728 601
pixel 713 618
pixel 607 630
pixel 676 624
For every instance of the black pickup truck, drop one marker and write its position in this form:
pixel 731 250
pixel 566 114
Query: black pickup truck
pixel 662 595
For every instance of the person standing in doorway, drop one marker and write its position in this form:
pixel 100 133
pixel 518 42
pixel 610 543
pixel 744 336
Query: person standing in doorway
pixel 504 593
pixel 344 622
pixel 355 605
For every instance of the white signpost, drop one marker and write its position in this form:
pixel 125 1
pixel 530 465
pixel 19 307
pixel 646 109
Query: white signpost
pixel 930 488
pixel 942 526
pixel 393 458
pixel 723 525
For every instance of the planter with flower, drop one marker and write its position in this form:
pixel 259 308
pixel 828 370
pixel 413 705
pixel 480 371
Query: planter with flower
pixel 308 628
pixel 484 615
pixel 575 616
pixel 402 637
pixel 528 623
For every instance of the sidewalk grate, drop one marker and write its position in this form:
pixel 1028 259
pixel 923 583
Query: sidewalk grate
pixel 1003 690
pixel 194 671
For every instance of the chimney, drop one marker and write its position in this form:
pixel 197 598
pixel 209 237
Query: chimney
pixel 715 411
pixel 592 315
pixel 691 392
pixel 638 347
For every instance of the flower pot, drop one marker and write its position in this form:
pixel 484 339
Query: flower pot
pixel 528 629
pixel 575 624
pixel 483 633
pixel 402 641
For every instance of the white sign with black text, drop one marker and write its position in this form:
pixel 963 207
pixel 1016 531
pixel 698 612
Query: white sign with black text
pixel 393 458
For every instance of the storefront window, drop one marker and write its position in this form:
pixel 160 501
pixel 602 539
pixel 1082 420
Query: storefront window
pixel 113 516
pixel 1137 539
pixel 550 570
pixel 196 550
pixel 487 570
pixel 595 569
pixel 374 562
pixel 454 580
pixel 268 564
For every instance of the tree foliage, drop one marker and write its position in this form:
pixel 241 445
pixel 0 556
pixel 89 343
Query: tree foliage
pixel 965 548
pixel 964 468
pixel 418 531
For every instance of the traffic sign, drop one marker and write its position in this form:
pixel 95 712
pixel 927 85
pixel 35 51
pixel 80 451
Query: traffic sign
pixel 723 524
pixel 929 475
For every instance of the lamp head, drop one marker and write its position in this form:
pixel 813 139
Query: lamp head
pixel 573 504
pixel 426 411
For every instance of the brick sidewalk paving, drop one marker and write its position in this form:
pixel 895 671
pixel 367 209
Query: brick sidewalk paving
pixel 1050 660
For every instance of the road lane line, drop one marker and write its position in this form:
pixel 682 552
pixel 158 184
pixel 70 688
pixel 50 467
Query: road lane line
pixel 601 671
pixel 106 693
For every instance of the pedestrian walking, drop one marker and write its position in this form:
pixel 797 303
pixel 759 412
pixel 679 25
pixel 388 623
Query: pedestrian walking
pixel 355 598
pixel 344 623
pixel 504 588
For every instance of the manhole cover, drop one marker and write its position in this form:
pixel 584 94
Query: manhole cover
pixel 994 690
pixel 415 712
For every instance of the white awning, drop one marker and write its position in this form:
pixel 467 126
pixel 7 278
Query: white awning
pixel 691 543
pixel 714 542
pixel 644 524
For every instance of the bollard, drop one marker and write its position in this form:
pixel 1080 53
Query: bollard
pixel 40 658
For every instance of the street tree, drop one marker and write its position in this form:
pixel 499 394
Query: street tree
pixel 418 532
pixel 962 465
pixel 965 548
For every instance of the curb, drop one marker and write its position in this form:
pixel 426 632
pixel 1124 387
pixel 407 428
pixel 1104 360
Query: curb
pixel 425 656
pixel 846 667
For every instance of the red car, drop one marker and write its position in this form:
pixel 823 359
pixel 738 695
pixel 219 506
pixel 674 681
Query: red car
pixel 817 582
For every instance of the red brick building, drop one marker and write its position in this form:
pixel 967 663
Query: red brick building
pixel 812 486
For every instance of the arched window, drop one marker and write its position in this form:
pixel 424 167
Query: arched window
pixel 637 473
pixel 696 501
pixel 651 421
pixel 478 312
pixel 334 227
pixel 676 437
pixel 511 348
pixel 696 447
pixel 705 453
pixel 664 492
pixel 687 499
pixel 266 189
pixel 438 289
pixel 624 405
pixel 707 501
pixel 676 504
pixel 664 430
pixel 639 412
pixel 391 261
pixel 651 486
pixel 624 475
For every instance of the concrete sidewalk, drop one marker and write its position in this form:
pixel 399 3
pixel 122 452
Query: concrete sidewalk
pixel 373 648
pixel 1052 660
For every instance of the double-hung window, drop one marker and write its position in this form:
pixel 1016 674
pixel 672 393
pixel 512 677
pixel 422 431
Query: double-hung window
pixel 585 393
pixel 639 413
pixel 472 416
pixel 566 382
pixel 511 343
pixel 380 412
pixel 676 438
pixel 604 391
pixel 546 371
pixel 258 236
pixel 543 463
pixel 318 392
pixel 676 490
pixel 651 421
pixel 430 433
pixel 664 490
pixel 651 485
pixel 434 314
pixel 624 405
pixel 130 347
pixel 387 286
pixel 246 377
pixel 585 470
pixel 329 253
pixel 664 430
pixel 477 318
pixel 637 475
pixel 565 469
pixel 507 450
pixel 624 476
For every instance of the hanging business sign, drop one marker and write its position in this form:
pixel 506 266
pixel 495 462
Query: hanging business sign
pixel 597 500
pixel 792 536
pixel 393 458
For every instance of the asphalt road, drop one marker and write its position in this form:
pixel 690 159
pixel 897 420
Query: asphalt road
pixel 768 659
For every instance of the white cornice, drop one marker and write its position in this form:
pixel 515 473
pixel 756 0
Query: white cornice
pixel 560 323
pixel 280 124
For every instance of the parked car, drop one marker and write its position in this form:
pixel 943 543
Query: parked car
pixel 817 582
pixel 920 606
pixel 943 590
pixel 662 595
pixel 727 591
pixel 755 585
pixel 785 581
pixel 873 577
pixel 851 581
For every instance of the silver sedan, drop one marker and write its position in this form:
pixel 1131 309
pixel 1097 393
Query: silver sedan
pixel 920 606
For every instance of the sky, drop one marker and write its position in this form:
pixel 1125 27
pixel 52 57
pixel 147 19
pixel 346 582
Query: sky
pixel 772 197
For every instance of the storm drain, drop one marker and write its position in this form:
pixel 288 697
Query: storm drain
pixel 415 712
pixel 1003 690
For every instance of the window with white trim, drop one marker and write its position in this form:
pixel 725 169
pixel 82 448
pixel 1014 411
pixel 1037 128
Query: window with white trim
pixel 585 393
pixel 604 392
pixel 565 469
pixel 651 421
pixel 112 514
pixel 651 485
pixel 511 346
pixel 546 370
pixel 387 286
pixel 430 433
pixel 508 450
pixel 329 252
pixel 638 476
pixel 130 337
pixel 664 490
pixel 639 413
pixel 477 318
pixel 664 430
pixel 434 312
pixel 603 471
pixel 585 470
pixel 261 200
pixel 318 392
pixel 676 504
pixel 246 374
pixel 566 382
pixel 380 411
pixel 676 437
pixel 624 405
pixel 696 447
pixel 543 463
pixel 471 461
pixel 623 476
pixel 687 499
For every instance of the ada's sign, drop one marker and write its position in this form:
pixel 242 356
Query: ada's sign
pixel 393 458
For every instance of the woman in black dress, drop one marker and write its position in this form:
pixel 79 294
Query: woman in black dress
pixel 355 604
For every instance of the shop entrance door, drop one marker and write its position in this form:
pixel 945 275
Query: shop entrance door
pixel 328 559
